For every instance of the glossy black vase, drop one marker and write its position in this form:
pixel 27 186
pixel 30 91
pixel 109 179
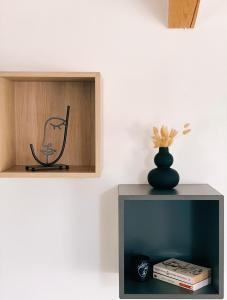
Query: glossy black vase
pixel 163 177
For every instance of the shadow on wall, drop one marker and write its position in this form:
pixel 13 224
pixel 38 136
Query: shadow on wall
pixel 109 231
pixel 158 8
pixel 142 147
pixel 109 199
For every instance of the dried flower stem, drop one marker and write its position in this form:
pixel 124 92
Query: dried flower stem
pixel 164 137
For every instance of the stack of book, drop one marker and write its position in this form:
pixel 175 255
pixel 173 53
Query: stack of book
pixel 182 274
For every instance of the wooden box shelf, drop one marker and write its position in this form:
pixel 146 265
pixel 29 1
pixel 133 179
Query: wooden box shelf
pixel 185 223
pixel 28 99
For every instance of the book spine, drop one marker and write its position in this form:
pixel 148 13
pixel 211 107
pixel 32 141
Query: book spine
pixel 173 281
pixel 192 287
pixel 172 274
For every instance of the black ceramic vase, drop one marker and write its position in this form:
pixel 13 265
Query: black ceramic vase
pixel 163 177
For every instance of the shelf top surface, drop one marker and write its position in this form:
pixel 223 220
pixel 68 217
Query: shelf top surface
pixel 45 76
pixel 181 190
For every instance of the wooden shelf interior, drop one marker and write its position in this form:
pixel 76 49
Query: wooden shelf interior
pixel 28 100
pixel 187 229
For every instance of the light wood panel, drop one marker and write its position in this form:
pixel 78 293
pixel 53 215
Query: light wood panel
pixel 35 102
pixel 98 124
pixel 47 76
pixel 183 13
pixel 28 99
pixel 7 133
pixel 73 172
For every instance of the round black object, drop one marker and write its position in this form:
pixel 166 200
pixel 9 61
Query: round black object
pixel 142 268
pixel 163 177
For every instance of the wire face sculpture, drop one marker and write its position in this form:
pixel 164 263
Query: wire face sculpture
pixel 48 149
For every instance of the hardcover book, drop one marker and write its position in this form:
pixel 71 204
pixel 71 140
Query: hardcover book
pixel 192 287
pixel 181 270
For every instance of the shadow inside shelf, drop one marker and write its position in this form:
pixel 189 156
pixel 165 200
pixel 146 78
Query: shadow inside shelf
pixel 154 286
pixel 187 230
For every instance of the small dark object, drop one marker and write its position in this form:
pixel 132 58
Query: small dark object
pixel 163 177
pixel 48 150
pixel 142 268
pixel 51 167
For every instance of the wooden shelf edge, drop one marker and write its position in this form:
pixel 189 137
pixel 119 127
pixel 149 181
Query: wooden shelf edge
pixel 48 175
pixel 48 75
pixel 82 172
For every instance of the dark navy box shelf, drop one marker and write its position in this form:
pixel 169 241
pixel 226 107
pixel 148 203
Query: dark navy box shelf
pixel 185 223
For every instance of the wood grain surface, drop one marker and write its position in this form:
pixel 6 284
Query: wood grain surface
pixel 28 99
pixel 183 13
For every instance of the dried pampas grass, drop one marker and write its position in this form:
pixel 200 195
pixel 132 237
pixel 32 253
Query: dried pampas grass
pixel 164 137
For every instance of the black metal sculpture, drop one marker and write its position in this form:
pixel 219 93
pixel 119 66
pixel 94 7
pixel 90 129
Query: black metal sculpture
pixel 47 148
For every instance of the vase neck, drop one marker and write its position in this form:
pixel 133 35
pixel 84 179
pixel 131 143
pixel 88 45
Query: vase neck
pixel 164 150
pixel 163 159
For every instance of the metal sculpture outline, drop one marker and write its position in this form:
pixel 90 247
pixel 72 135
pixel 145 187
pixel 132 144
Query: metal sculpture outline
pixel 47 149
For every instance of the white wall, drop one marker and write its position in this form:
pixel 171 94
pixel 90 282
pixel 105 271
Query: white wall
pixel 58 238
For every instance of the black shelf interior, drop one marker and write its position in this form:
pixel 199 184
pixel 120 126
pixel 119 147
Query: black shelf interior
pixel 162 229
pixel 154 286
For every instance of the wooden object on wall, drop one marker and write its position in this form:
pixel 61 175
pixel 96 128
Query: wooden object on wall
pixel 183 13
pixel 27 100
pixel 7 125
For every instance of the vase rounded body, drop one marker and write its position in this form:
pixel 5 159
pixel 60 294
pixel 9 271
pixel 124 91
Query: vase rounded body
pixel 163 177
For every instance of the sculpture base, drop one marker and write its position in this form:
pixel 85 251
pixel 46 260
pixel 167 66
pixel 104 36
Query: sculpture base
pixel 35 168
